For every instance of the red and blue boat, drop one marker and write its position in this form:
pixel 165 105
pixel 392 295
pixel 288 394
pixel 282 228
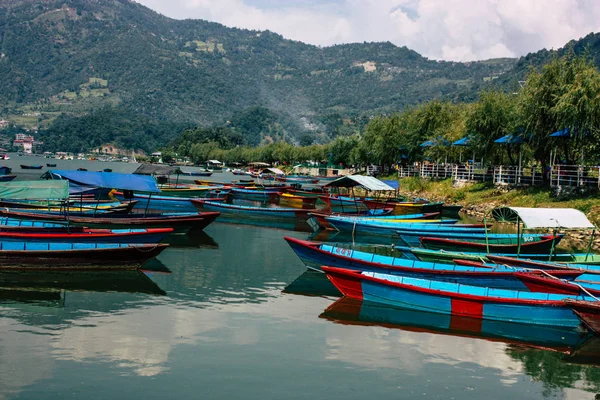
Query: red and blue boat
pixel 537 309
pixel 314 255
pixel 544 245
pixel 349 311
pixel 85 235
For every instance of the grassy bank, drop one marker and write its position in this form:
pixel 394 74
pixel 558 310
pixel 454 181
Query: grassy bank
pixel 482 197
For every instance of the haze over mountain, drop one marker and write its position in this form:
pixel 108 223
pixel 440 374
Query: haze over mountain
pixel 96 71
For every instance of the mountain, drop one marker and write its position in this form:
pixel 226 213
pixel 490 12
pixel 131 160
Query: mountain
pixel 70 64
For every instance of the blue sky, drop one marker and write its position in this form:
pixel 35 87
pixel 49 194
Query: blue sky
pixel 457 30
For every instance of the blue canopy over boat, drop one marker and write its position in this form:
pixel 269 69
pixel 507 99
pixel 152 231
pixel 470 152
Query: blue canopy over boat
pixel 108 180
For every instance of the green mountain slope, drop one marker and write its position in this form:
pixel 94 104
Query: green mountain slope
pixel 78 58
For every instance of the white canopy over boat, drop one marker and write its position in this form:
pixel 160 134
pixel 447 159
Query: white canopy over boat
pixel 532 218
pixel 367 182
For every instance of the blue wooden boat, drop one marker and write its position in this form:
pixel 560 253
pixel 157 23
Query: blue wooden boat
pixel 23 166
pixel 84 235
pixel 349 311
pixel 537 309
pixel 67 256
pixel 412 236
pixel 318 219
pixel 315 255
pixel 181 222
pixel 167 203
pixel 379 227
pixel 251 211
pixel 415 253
pixel 254 194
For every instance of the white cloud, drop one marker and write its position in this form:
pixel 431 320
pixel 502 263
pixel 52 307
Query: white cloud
pixel 457 30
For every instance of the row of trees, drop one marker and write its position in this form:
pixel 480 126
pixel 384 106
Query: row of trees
pixel 563 95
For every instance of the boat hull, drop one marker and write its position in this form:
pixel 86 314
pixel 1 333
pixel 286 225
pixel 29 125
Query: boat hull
pixel 180 224
pixel 541 309
pixel 543 246
pixel 588 312
pixel 63 256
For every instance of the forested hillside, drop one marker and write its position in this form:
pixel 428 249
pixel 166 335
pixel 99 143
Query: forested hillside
pixel 75 57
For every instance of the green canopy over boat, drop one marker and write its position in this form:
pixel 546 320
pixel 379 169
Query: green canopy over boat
pixel 35 190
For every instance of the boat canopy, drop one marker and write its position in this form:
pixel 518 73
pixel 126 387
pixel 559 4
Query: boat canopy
pixel 272 170
pixel 367 182
pixel 107 180
pixel 34 190
pixel 153 169
pixel 566 218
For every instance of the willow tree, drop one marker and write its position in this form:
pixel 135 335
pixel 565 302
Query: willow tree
pixel 490 118
pixel 563 95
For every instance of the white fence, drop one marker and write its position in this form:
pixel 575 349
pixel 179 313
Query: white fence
pixel 575 176
pixel 499 175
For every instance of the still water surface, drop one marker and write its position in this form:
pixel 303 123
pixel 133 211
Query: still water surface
pixel 222 326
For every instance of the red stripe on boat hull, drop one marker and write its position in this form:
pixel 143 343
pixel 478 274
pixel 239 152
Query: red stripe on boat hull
pixel 349 283
pixel 467 308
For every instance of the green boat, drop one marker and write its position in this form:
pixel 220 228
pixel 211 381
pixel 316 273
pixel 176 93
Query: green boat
pixel 443 256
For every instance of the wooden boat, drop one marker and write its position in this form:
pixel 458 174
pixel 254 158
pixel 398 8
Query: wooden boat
pixel 545 282
pixel 413 236
pixel 80 210
pixel 86 235
pixel 306 193
pixel 296 201
pixel 341 204
pixel 238 172
pixel 315 255
pixel 416 253
pixel 170 203
pixel 542 246
pixel 348 311
pixel 24 166
pixel 255 194
pixel 50 165
pixel 81 169
pixel 182 222
pixel 7 178
pixel 573 260
pixel 398 208
pixel 66 256
pixel 588 312
pixel 273 212
pixel 290 179
pixel 451 211
pixel 318 220
pixel 380 227
pixel 197 173
pixel 536 309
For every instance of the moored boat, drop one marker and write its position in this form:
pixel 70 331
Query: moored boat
pixel 291 200
pixel 66 256
pixel 24 166
pixel 544 245
pixel 588 312
pixel 273 212
pixel 537 309
pixel 180 222
pixel 315 255
pixel 86 235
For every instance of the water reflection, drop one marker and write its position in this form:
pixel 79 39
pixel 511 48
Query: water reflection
pixel 198 239
pixel 312 283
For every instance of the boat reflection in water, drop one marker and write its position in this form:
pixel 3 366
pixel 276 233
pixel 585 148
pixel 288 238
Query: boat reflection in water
pixel 312 283
pixel 196 239
pixel 49 287
pixel 354 312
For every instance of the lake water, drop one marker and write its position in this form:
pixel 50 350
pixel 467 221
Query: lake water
pixel 238 318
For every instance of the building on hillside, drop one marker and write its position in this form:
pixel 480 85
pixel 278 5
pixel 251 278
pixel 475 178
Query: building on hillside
pixel 26 142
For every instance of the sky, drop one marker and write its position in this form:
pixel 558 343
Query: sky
pixel 453 30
